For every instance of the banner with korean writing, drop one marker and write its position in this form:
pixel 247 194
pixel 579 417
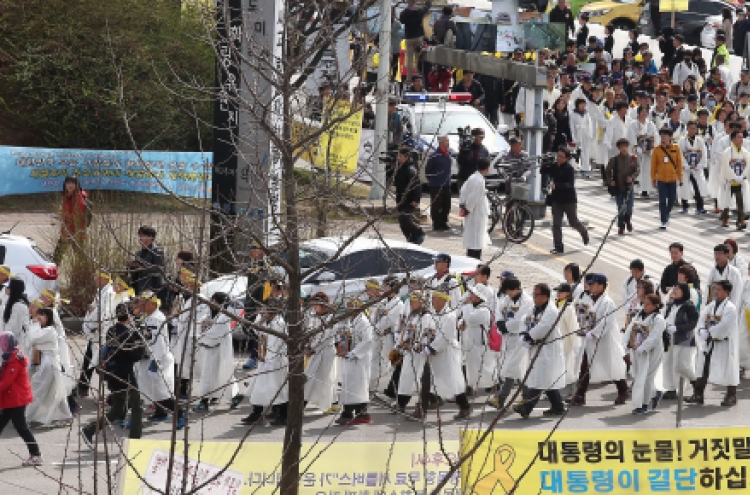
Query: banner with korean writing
pixel 339 145
pixel 363 468
pixel 39 170
pixel 614 461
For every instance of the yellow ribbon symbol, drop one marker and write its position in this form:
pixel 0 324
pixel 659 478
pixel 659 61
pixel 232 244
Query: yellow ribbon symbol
pixel 487 484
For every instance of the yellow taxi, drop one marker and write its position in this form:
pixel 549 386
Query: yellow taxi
pixel 622 14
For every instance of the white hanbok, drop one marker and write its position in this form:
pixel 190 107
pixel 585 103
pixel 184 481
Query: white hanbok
pixel 616 130
pixel 732 169
pixel 473 197
pixel 355 374
pixel 572 343
pixel 419 328
pixel 386 319
pixel 582 130
pixel 321 368
pixel 69 375
pixel 99 318
pixel 743 327
pixel 480 360
pixel 47 383
pixel 513 358
pixel 548 371
pixel 445 357
pixel 720 319
pixel 217 360
pixel 269 386
pixel 604 350
pixel 646 135
pixel 187 334
pixel 647 349
pixel 158 377
pixel 18 325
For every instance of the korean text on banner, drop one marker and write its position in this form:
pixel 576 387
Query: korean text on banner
pixel 40 170
pixel 619 462
pixel 340 143
pixel 364 468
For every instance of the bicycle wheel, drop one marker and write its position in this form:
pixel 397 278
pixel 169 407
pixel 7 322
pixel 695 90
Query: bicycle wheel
pixel 495 210
pixel 518 222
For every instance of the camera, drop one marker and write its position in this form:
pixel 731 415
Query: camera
pixel 464 137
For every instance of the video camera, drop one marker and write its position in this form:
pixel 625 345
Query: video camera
pixel 464 137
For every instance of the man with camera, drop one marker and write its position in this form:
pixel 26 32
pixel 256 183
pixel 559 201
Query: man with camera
pixel 408 195
pixel 472 150
pixel 146 270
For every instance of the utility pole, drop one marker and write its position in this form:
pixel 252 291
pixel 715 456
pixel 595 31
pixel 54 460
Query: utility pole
pixel 381 107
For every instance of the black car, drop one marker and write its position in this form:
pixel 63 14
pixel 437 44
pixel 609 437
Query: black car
pixel 689 23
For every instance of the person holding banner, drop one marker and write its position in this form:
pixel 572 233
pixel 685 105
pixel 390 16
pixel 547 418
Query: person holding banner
pixel 718 356
pixel 644 339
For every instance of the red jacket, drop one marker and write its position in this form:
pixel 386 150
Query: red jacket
pixel 15 388
pixel 74 216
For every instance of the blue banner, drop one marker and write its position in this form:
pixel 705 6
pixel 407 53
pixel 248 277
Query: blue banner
pixel 38 170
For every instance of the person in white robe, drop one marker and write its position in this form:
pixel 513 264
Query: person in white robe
pixel 270 388
pixel 512 360
pixel 186 352
pixel 546 359
pixel 475 210
pixel 695 160
pixel 217 383
pixel 51 300
pixel 735 258
pixel 618 128
pixel 733 181
pixel 354 343
pixel 743 327
pixel 320 371
pixel 644 337
pixel 16 314
pixel 722 270
pixel 388 320
pixel 718 356
pixel 475 325
pixel 572 343
pixel 646 135
pixel 47 383
pixel 99 318
pixel 582 130
pixel 603 359
pixel 418 331
pixel 444 354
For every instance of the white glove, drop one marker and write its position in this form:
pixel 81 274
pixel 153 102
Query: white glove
pixel 671 329
pixel 703 334
pixel 640 350
pixel 350 355
pixel 638 150
pixel 426 351
pixel 525 343
pixel 590 336
pixel 739 178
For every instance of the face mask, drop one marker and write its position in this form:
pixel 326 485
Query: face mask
pixel 711 104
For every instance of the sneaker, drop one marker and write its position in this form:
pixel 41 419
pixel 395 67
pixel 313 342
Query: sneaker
pixel 87 438
pixel 236 401
pixel 729 401
pixel 557 251
pixel 333 409
pixel 419 240
pixel 250 364
pixel 695 399
pixel 669 395
pixel 685 209
pixel 741 226
pixel 622 399
pixel 34 460
pixel 657 398
pixel 640 410
pixel 522 410
pixel 200 407
pixel 621 231
pixel 629 226
pixel 278 421
pixel 725 224
pixel 586 240
pixel 158 417
pixel 701 212
pixel 180 423
pixel 497 402
pixel 463 415
pixel 663 226
pixel 644 194
pixel 362 419
pixel 342 421
pixel 578 400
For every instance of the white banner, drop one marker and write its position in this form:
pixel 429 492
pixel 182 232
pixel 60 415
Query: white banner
pixel 366 150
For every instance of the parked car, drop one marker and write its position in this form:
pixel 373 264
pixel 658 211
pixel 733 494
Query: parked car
pixel 363 259
pixel 29 263
pixel 689 23
pixel 425 118
pixel 622 14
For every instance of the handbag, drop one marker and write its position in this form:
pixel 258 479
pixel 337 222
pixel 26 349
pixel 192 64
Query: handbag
pixel 495 339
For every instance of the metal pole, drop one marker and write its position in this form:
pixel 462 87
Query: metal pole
pixel 381 107
pixel 679 401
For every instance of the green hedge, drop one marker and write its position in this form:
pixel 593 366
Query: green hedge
pixel 58 75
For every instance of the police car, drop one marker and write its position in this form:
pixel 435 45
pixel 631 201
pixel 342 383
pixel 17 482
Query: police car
pixel 425 116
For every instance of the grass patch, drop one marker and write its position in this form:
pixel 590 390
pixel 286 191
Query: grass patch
pixel 103 201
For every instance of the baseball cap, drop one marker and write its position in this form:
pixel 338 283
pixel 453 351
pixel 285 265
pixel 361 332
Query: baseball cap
pixel 598 278
pixel 692 98
pixel 442 257
pixel 586 78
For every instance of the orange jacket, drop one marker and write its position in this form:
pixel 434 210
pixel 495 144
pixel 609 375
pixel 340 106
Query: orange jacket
pixel 669 170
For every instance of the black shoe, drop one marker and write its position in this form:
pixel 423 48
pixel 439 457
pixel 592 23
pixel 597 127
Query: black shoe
pixel 729 401
pixel 439 228
pixel 694 399
pixel 557 251
pixel 251 419
pixel 447 226
pixel 577 400
pixel 553 412
pixel 522 410
pixel 278 421
pixel 622 399
pixel 656 399
pixel 463 415
pixel 669 395
pixel 586 240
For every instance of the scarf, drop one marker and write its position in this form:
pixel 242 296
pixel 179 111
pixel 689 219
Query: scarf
pixel 8 344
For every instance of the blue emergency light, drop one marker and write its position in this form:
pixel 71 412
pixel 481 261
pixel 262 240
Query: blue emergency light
pixel 438 97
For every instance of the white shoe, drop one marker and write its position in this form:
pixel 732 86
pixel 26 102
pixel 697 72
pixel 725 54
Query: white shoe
pixel 34 460
pixel 663 226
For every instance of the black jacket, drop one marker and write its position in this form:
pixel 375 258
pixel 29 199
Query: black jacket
pixel 441 28
pixel 564 178
pixel 669 276
pixel 412 21
pixel 493 91
pixel 564 16
pixel 609 44
pixel 738 35
pixel 148 275
pixel 475 88
pixel 685 321
pixel 563 133
pixel 468 159
pixel 408 188
pixel 582 36
pixel 124 348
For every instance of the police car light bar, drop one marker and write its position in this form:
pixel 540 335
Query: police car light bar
pixel 437 97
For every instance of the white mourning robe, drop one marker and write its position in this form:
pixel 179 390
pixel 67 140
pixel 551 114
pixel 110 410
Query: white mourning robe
pixel 513 359
pixel 647 356
pixel 473 197
pixel 217 360
pixel 99 318
pixel 355 376
pixel 548 371
pixel 604 350
pixel 720 319
pixel 47 384
pixel 445 357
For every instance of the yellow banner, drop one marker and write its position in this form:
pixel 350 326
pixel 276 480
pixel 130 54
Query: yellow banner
pixel 698 461
pixel 673 5
pixel 363 468
pixel 340 143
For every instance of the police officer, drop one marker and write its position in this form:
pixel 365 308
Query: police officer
pixel 408 195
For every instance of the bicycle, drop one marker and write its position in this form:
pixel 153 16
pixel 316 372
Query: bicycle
pixel 517 217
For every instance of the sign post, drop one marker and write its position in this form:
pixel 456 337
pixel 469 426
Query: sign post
pixel 673 6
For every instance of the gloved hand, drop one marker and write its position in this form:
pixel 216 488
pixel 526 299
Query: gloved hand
pixel 638 150
pixel 426 351
pixel 703 334
pixel 350 355
pixel 590 336
pixel 739 178
pixel 671 328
